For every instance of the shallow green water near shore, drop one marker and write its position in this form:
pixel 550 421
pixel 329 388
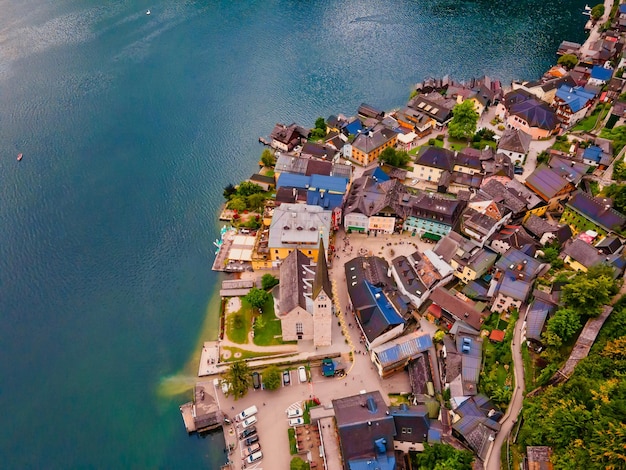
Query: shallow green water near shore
pixel 130 126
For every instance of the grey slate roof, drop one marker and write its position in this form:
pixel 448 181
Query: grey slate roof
pixel 546 181
pixel 584 253
pixel 596 211
pixel 294 269
pixel 436 157
pixel 515 140
pixel 536 113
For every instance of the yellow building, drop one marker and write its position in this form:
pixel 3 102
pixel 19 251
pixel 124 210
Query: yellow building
pixel 298 226
pixel 368 145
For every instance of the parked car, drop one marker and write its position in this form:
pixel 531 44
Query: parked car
pixel 246 423
pixel 286 377
pixel 247 432
pixel 518 170
pixel 252 449
pixel 295 413
pixel 302 375
pixel 251 440
pixel 256 380
pixel 250 411
pixel 296 421
pixel 254 457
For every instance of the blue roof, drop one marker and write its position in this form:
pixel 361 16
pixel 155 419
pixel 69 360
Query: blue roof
pixel 434 436
pixel 354 127
pixel 593 153
pixel 513 287
pixel 293 180
pixel 380 462
pixel 325 200
pixel 380 175
pixel 576 98
pixel 391 316
pixel 336 184
pixel 404 350
pixel 622 8
pixel 600 73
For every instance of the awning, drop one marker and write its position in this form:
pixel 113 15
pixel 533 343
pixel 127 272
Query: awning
pixel 432 236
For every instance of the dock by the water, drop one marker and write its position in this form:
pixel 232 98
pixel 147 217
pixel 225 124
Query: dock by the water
pixel 203 414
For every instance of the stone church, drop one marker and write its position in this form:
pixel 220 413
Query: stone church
pixel 303 299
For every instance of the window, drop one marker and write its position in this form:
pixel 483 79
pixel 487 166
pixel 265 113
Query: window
pixel 299 328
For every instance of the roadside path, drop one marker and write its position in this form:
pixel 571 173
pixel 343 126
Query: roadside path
pixel 492 460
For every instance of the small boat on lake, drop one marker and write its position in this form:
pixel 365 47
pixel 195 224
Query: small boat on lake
pixel 147 12
pixel 19 157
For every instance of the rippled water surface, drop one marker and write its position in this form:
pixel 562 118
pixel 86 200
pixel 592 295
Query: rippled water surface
pixel 130 126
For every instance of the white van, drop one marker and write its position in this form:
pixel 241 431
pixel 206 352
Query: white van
pixel 247 413
pixel 248 422
pixel 254 457
pixel 302 374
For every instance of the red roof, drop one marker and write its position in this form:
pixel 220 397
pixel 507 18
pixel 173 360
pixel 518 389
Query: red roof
pixel 435 310
pixel 497 336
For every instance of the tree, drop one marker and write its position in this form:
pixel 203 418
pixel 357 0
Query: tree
pixel 267 158
pixel 320 123
pixel 257 297
pixel 568 61
pixel 587 295
pixel 246 188
pixel 438 336
pixel 268 281
pixel 238 204
pixel 229 191
pixel 464 120
pixel 271 378
pixel 298 464
pixel 597 12
pixel 238 375
pixel 255 202
pixel 565 323
pixel 393 157
pixel 442 457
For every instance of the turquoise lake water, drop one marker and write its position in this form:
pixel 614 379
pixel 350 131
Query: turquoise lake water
pixel 130 126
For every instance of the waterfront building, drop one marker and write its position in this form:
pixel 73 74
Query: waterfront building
pixel 298 226
pixel 286 138
pixel 435 106
pixel 584 212
pixel 303 299
pixel 369 144
pixel 315 190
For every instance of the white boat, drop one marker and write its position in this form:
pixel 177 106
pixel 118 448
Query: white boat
pixel 587 10
pixel 147 12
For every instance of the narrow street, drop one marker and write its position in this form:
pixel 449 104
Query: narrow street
pixel 492 461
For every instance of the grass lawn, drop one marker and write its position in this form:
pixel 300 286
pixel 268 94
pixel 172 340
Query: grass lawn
pixel 397 399
pixel 238 323
pixel 457 144
pixel 271 333
pixel 588 123
pixel 530 370
pixel 562 145
pixel 293 449
pixel 244 354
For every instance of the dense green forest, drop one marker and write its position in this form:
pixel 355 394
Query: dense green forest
pixel 584 419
